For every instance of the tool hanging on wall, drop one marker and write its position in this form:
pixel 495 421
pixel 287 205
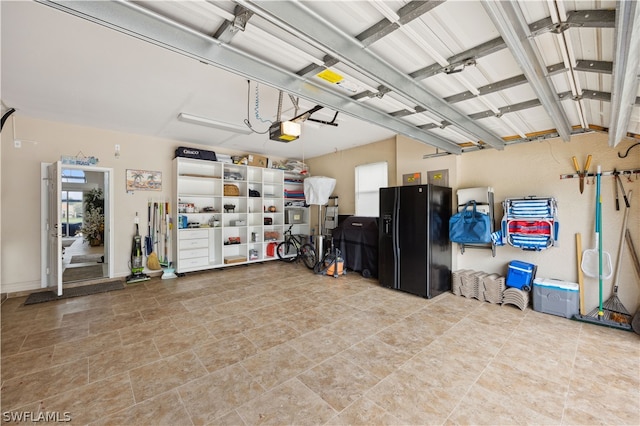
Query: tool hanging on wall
pixel 616 176
pixel 626 173
pixel 582 173
pixel 615 188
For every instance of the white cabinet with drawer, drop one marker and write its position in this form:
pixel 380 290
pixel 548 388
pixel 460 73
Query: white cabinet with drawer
pixel 193 249
pixel 224 211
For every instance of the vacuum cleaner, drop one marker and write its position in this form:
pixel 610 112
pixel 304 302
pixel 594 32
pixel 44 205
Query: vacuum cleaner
pixel 137 263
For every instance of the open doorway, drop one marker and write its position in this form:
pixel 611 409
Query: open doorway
pixel 83 225
pixel 82 216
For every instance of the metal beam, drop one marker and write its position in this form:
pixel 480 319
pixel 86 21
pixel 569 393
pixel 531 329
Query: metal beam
pixel 313 69
pixel 578 19
pixel 407 13
pixel 502 84
pixel 377 31
pixel 601 67
pixel 143 24
pixel 229 29
pixel 575 19
pixel 510 23
pixel 568 95
pixel 300 20
pixel 563 96
pixel 461 58
pixel 506 109
pixel 625 68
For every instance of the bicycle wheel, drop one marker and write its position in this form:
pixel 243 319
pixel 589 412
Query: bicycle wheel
pixel 287 251
pixel 308 254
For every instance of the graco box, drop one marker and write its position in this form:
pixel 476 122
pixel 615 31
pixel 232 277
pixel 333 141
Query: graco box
pixel 520 275
pixel 556 297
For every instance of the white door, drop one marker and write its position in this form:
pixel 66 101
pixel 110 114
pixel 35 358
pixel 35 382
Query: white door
pixel 54 227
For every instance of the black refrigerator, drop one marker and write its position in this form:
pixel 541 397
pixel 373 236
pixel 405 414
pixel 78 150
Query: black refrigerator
pixel 414 251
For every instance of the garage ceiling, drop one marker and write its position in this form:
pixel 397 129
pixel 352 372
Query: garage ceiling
pixel 456 75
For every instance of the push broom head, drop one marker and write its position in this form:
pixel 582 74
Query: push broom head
pixel 153 263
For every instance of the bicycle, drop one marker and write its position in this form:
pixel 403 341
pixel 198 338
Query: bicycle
pixel 292 249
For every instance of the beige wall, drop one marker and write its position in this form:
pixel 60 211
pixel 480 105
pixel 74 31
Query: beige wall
pixel 341 165
pixel 519 170
pixel 535 169
pixel 44 142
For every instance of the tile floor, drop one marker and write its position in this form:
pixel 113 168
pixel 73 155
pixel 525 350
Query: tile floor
pixel 275 344
pixel 80 247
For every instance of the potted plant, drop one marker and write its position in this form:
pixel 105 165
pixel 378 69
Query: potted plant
pixel 94 199
pixel 93 227
pixel 93 221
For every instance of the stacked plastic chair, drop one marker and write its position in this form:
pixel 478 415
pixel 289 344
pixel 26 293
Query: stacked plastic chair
pixel 492 288
pixel 517 297
pixel 478 285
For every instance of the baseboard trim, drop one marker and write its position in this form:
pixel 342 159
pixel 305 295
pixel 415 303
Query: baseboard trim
pixel 26 288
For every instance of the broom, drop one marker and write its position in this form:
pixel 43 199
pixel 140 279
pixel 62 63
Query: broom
pixel 613 307
pixel 152 259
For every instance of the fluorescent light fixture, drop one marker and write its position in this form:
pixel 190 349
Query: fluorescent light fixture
pixel 229 127
pixel 285 131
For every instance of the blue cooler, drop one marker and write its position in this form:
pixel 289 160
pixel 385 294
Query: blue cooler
pixel 520 275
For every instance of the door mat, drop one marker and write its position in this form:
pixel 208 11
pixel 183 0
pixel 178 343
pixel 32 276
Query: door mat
pixel 87 258
pixel 85 290
pixel 82 273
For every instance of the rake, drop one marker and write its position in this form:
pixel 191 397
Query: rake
pixel 613 308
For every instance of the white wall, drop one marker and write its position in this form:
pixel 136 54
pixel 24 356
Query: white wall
pixel 46 141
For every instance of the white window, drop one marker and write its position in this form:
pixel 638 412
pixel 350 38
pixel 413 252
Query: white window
pixel 369 179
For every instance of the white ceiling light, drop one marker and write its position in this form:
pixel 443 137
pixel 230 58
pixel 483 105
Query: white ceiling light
pixel 229 127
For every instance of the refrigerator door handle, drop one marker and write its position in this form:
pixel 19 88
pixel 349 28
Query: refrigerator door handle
pixel 396 243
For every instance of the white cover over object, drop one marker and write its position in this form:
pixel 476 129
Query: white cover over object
pixel 318 189
pixel 480 195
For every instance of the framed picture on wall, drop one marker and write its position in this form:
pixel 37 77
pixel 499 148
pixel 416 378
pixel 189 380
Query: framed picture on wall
pixel 143 180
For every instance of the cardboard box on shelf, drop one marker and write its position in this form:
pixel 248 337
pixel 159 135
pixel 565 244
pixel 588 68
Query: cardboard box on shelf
pixel 257 160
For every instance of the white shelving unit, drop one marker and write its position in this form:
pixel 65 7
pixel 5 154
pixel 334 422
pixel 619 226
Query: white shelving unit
pixel 216 229
pixel 295 211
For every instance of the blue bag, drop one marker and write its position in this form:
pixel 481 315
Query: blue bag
pixel 470 226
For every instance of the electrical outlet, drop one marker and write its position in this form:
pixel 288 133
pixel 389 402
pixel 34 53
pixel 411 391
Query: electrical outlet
pixel 17 144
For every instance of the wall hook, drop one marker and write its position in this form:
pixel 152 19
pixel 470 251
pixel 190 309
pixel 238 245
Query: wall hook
pixel 627 153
